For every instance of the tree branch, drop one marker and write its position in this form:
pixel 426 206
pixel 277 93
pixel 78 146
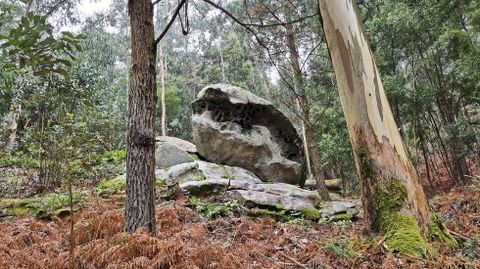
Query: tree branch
pixel 156 2
pixel 54 8
pixel 259 41
pixel 169 24
pixel 281 23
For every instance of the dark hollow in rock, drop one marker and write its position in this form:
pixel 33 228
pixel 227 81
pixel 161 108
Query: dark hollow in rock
pixel 234 114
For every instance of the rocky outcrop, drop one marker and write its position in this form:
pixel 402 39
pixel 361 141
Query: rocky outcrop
pixel 233 126
pixel 204 179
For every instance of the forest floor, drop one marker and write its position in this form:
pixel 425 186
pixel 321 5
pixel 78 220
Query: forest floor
pixel 187 238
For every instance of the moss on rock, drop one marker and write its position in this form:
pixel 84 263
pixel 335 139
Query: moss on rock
pixel 311 213
pixel 277 215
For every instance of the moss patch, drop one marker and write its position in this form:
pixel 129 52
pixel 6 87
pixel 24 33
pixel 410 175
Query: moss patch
pixel 438 232
pixel 211 210
pixel 401 231
pixel 194 157
pixel 111 186
pixel 45 207
pixel 312 213
pixel 277 215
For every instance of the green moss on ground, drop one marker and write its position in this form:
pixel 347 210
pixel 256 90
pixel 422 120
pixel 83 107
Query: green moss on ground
pixel 311 213
pixel 45 207
pixel 111 186
pixel 438 232
pixel 277 215
pixel 211 210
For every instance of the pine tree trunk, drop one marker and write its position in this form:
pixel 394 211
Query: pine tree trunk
pixel 393 200
pixel 139 206
pixel 305 114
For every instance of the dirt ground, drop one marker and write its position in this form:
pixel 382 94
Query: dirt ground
pixel 186 240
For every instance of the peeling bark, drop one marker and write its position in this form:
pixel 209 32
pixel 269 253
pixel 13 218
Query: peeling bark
pixel 393 200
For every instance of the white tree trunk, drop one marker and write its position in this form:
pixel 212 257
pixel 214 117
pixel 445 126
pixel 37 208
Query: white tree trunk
pixel 393 200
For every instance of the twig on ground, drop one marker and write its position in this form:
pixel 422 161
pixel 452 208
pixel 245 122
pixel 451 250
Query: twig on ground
pixel 294 261
pixel 461 236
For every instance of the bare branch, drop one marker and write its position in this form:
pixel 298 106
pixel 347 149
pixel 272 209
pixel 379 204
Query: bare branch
pixel 281 23
pixel 55 7
pixel 169 24
pixel 255 35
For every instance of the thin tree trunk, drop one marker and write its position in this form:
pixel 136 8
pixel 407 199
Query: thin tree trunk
pixel 139 206
pixel 305 114
pixel 222 65
pixel 162 93
pixel 304 139
pixel 317 163
pixel 10 131
pixel 393 200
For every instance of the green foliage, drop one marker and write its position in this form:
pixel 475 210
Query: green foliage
pixel 438 232
pixel 111 186
pixel 44 207
pixel 211 210
pixel 32 45
pixel 342 249
pixel 427 53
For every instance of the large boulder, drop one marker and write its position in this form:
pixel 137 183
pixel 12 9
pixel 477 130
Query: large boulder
pixel 233 126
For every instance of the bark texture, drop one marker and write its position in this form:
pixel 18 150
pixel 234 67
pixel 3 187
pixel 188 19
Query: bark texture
pixel 139 206
pixel 393 200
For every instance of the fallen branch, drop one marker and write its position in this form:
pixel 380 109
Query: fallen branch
pixel 461 236
pixel 294 261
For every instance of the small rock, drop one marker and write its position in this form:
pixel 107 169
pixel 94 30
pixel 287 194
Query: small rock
pixel 182 144
pixel 339 210
pixel 167 155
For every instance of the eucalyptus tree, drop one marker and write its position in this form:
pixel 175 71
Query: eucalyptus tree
pixel 393 199
pixel 428 52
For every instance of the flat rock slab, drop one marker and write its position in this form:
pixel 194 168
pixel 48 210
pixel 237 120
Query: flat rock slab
pixel 275 196
pixel 204 171
pixel 340 210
